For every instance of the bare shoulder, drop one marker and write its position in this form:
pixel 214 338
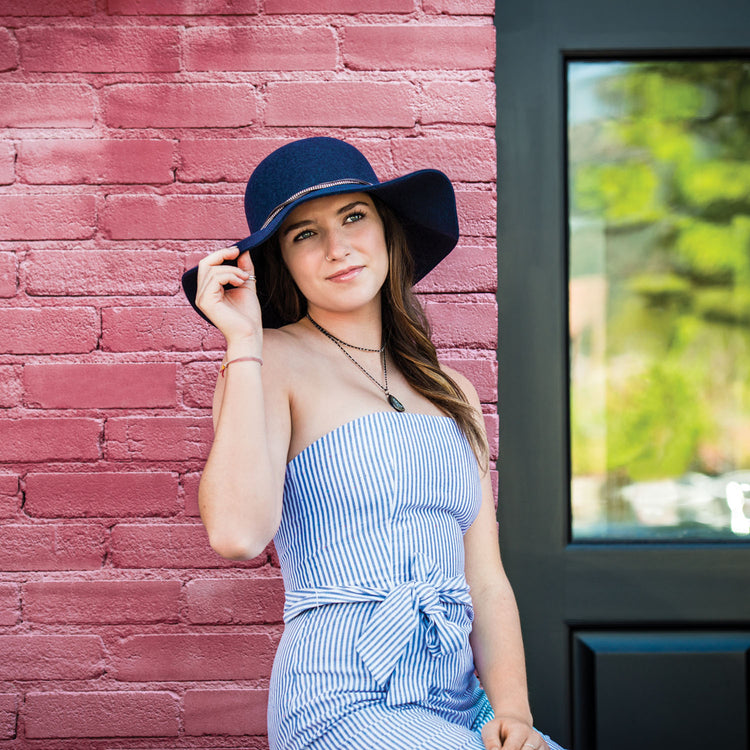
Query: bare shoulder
pixel 278 345
pixel 282 345
pixel 464 384
pixel 284 354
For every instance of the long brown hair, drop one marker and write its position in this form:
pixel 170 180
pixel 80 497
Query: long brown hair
pixel 406 330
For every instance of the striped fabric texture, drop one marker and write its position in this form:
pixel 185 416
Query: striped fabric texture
pixel 375 651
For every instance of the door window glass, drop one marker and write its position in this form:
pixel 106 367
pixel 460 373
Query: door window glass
pixel 659 299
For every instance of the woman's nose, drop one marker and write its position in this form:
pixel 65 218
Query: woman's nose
pixel 337 246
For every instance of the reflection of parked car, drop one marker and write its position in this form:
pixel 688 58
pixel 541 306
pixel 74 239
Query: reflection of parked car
pixel 736 491
pixel 695 500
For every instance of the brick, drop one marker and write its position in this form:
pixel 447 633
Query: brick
pixel 8 51
pixel 47 217
pixel 482 372
pixel 100 49
pixel 158 438
pixel 179 105
pixel 48 330
pixel 101 602
pixel 9 496
pixel 75 273
pixel 157 329
pixel 205 656
pixel 186 217
pixel 47 7
pixel 228 712
pixel 190 484
pixel 145 713
pixel 492 425
pixel 458 102
pixel 477 213
pixel 419 47
pixel 8 715
pixel 95 161
pixel 464 159
pixel 9 506
pixel 463 324
pixel 7 163
pixel 233 159
pixel 8 275
pixel 260 48
pixel 340 104
pixel 10 607
pixel 461 7
pixel 222 601
pixel 49 439
pixel 50 657
pixel 51 547
pixel 100 386
pixel 349 7
pixel 102 494
pixel 169 546
pixel 10 385
pixel 199 383
pixel 8 484
pixel 46 105
pixel 223 159
pixel 469 268
pixel 180 7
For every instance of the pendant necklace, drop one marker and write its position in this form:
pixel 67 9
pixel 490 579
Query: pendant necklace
pixel 392 400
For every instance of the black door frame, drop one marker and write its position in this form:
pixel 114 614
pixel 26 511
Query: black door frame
pixel 559 585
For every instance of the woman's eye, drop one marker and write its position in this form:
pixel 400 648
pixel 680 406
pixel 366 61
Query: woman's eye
pixel 356 216
pixel 303 235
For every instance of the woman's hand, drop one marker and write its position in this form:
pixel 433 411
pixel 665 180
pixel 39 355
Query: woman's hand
pixel 509 733
pixel 235 312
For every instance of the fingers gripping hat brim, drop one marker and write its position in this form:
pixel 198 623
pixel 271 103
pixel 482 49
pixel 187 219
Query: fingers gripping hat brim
pixel 424 201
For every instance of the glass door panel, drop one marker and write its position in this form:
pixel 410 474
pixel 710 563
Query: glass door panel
pixel 659 299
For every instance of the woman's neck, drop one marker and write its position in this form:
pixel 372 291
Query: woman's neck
pixel 362 327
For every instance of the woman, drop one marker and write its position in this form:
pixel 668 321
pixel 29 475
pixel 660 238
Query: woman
pixel 338 435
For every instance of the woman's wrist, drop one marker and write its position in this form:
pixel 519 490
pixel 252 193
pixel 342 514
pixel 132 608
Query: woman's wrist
pixel 246 347
pixel 512 707
pixel 503 712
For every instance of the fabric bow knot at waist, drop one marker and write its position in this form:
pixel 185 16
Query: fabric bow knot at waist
pixel 403 610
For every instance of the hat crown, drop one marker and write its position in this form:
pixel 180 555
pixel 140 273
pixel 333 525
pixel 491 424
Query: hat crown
pixel 297 167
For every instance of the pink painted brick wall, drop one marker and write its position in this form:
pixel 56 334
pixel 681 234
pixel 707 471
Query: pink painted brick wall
pixel 129 128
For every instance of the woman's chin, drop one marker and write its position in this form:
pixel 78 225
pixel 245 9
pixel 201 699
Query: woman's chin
pixel 350 300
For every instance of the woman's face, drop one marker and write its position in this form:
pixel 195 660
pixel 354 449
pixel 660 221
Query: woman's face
pixel 335 250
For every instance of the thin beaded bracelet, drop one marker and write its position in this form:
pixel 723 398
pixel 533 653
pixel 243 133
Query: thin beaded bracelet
pixel 239 359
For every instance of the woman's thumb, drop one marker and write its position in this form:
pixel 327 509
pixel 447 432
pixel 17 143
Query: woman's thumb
pixel 244 262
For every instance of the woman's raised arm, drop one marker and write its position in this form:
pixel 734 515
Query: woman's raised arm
pixel 242 483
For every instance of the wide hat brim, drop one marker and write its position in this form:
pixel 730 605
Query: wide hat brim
pixel 424 202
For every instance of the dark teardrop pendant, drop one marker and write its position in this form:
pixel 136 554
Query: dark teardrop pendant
pixel 395 403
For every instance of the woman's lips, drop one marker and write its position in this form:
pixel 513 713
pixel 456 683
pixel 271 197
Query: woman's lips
pixel 346 275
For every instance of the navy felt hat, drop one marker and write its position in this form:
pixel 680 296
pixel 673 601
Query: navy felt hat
pixel 299 171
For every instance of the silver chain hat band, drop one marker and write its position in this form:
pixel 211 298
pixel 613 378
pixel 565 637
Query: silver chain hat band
pixel 306 191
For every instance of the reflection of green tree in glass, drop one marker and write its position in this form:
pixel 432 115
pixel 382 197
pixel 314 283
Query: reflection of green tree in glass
pixel 667 169
pixel 653 405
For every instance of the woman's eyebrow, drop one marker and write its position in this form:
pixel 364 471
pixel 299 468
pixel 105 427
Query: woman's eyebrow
pixel 294 226
pixel 349 206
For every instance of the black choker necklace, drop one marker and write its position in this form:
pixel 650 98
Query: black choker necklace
pixel 392 400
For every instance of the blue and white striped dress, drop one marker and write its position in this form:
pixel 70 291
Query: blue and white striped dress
pixel 375 651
